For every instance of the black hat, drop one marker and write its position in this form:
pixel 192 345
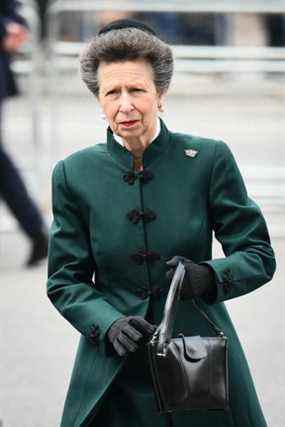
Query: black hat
pixel 119 24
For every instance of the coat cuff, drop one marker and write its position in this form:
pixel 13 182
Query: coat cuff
pixel 98 330
pixel 224 278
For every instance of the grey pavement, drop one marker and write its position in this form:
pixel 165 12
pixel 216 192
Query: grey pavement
pixel 37 345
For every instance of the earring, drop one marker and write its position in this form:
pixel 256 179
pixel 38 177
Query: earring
pixel 103 116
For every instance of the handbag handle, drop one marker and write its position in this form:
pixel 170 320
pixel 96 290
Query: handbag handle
pixel 164 331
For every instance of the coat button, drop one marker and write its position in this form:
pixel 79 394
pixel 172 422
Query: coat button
pixel 149 215
pixel 94 334
pixel 140 257
pixel 154 293
pixel 153 257
pixel 135 216
pixel 145 176
pixel 228 275
pixel 129 178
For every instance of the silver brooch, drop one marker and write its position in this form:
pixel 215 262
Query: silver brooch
pixel 191 153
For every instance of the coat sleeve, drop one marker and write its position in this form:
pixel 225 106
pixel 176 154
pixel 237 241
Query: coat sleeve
pixel 240 228
pixel 71 266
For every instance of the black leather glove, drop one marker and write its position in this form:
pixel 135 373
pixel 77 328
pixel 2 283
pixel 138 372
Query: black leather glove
pixel 127 333
pixel 199 280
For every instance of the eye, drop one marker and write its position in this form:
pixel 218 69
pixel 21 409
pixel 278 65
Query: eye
pixel 136 89
pixel 112 92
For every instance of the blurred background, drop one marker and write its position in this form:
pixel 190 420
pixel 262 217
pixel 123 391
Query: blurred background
pixel 229 84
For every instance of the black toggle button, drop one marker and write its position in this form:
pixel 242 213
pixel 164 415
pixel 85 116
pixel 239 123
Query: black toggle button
pixel 94 334
pixel 145 176
pixel 140 257
pixel 149 215
pixel 129 178
pixel 135 216
pixel 154 293
pixel 228 275
pixel 153 256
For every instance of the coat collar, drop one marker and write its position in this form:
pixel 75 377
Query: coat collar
pixel 158 147
pixel 121 141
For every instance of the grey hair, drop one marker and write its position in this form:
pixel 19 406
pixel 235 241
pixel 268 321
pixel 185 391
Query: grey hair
pixel 125 45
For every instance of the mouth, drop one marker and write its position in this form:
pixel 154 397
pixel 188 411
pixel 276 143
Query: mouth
pixel 129 123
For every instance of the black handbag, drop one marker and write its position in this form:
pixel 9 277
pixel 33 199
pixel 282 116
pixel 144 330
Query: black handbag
pixel 188 373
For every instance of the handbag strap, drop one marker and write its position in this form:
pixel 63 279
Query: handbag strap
pixel 164 331
pixel 210 321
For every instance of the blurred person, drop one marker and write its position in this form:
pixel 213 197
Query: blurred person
pixel 79 25
pixel 198 28
pixel 275 27
pixel 167 24
pixel 42 9
pixel 98 19
pixel 13 33
pixel 125 213
pixel 106 16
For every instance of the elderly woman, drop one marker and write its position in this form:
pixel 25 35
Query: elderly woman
pixel 122 210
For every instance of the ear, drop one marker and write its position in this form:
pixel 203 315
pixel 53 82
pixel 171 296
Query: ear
pixel 160 101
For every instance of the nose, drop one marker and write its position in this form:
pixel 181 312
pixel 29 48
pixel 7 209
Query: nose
pixel 126 105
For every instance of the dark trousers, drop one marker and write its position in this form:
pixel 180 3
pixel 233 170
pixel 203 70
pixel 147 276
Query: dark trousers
pixel 14 192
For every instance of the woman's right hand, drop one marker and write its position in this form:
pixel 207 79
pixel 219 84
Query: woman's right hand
pixel 127 333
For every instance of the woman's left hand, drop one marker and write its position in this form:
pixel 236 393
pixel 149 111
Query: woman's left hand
pixel 198 281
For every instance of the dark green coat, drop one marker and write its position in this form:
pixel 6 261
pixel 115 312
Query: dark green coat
pixel 99 228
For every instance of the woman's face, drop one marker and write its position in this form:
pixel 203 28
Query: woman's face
pixel 129 98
